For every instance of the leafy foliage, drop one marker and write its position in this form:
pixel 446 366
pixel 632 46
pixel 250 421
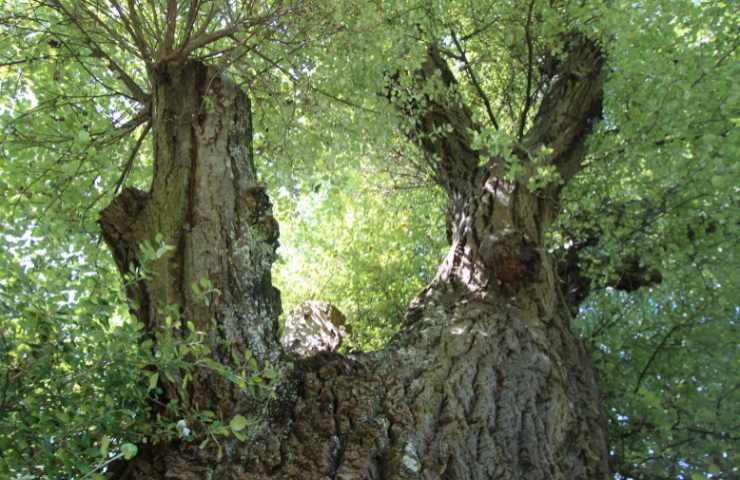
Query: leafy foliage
pixel 79 378
pixel 344 243
pixel 671 401
pixel 70 364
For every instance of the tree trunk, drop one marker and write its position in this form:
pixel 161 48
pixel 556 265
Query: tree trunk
pixel 485 380
pixel 206 205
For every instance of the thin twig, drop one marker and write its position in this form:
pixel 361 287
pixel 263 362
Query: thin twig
pixel 654 355
pixel 294 79
pixel 132 86
pixel 132 156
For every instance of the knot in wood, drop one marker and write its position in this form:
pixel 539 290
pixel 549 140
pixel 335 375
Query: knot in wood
pixel 516 261
pixel 255 202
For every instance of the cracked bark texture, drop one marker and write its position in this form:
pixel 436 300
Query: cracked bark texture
pixel 206 204
pixel 485 380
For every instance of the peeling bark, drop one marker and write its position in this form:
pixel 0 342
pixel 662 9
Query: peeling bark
pixel 485 379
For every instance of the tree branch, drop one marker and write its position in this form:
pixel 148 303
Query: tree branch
pixel 119 40
pixel 168 42
pixel 631 274
pixel 132 156
pixel 154 15
pixel 203 38
pixel 134 89
pixel 133 26
pixel 530 66
pixel 193 10
pixel 654 355
pixel 443 125
pixel 571 105
pixel 320 91
pixel 474 80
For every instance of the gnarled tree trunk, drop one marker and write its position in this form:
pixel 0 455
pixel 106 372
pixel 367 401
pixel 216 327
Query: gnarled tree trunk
pixel 485 380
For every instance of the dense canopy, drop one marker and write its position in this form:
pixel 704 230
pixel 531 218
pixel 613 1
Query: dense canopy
pixel 345 99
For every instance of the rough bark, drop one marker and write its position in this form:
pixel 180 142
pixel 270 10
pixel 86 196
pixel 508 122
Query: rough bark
pixel 206 204
pixel 485 380
pixel 314 327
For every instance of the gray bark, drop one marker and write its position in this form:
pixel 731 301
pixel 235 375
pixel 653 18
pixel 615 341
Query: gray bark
pixel 314 327
pixel 485 380
pixel 205 203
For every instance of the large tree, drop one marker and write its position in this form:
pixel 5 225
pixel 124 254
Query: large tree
pixel 485 377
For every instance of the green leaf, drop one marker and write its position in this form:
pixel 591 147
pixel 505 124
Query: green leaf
pixel 212 364
pixel 129 450
pixel 104 444
pixel 153 379
pixel 238 423
pixel 83 136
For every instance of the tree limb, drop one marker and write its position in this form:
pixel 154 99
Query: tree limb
pixel 571 105
pixel 131 157
pixel 168 42
pixel 443 125
pixel 474 80
pixel 193 10
pixel 134 89
pixel 530 66
pixel 654 355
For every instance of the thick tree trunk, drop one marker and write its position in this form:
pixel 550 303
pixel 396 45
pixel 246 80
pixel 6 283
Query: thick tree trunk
pixel 485 380
pixel 206 205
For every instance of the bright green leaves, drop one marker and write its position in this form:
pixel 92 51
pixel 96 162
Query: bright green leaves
pixel 663 164
pixel 150 252
pixel 363 246
pixel 76 375
pixel 153 379
pixel 238 423
pixel 63 132
pixel 129 450
pixel 660 186
pixel 204 291
pixel 83 137
pixel 237 426
pixel 72 388
pixel 104 444
pixel 660 183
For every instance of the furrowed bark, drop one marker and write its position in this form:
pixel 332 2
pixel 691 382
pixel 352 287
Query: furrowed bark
pixel 498 286
pixel 485 379
pixel 206 205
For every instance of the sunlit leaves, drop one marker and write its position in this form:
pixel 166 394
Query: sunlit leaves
pixel 69 388
pixel 129 450
pixel 367 248
pixel 661 184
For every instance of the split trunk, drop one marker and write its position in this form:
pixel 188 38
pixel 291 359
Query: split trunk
pixel 485 380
